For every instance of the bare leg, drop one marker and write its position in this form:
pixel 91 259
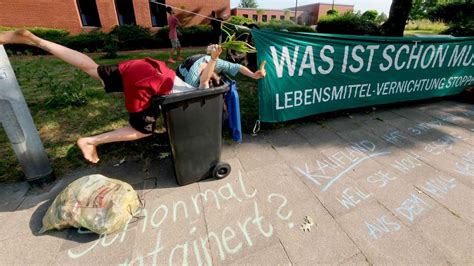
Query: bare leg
pixel 178 57
pixel 170 59
pixel 88 144
pixel 75 58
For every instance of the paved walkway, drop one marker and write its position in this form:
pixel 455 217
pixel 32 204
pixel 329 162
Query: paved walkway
pixel 392 186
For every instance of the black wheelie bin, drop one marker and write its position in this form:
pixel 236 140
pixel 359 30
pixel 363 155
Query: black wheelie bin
pixel 194 124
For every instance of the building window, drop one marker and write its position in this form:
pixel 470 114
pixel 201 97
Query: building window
pixel 255 17
pixel 158 13
pixel 89 13
pixel 245 15
pixel 274 17
pixel 264 18
pixel 282 17
pixel 125 12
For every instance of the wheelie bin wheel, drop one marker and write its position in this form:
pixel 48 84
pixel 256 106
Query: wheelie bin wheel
pixel 221 170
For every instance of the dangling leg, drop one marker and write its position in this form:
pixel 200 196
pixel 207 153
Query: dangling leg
pixel 75 58
pixel 88 144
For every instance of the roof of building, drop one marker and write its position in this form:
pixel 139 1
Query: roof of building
pixel 321 4
pixel 269 9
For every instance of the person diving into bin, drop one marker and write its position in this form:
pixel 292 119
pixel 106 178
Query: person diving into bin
pixel 138 79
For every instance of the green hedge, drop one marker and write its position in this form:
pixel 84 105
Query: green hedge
pixel 285 25
pixel 349 23
pixel 198 35
pixel 459 17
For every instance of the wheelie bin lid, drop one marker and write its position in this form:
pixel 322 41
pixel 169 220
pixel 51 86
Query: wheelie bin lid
pixel 184 96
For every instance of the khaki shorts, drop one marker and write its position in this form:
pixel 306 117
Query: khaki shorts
pixel 175 43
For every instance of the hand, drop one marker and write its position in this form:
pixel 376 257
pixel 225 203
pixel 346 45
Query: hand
pixel 216 50
pixel 258 75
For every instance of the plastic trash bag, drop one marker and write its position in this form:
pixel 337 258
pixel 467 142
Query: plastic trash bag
pixel 95 202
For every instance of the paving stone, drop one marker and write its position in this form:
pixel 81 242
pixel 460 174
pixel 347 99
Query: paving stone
pixel 343 123
pixel 28 249
pixel 400 143
pixel 432 135
pixel 228 150
pixel 331 177
pixel 291 201
pixel 372 201
pixel 426 122
pixel 459 115
pixel 231 209
pixel 254 152
pixel 449 234
pixel 271 255
pixel 171 230
pixel 130 171
pixel 93 250
pixel 388 240
pixel 11 196
pixel 418 173
pixel 162 178
pixel 358 259
pixel 24 221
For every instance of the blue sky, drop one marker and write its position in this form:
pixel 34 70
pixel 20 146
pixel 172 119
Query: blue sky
pixel 362 5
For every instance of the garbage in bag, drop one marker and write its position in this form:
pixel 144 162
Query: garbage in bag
pixel 95 202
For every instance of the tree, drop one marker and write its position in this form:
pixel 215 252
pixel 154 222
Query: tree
pixel 395 24
pixel 332 12
pixel 248 4
pixel 370 15
pixel 381 18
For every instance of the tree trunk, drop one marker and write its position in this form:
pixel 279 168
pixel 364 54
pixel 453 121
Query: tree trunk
pixel 395 25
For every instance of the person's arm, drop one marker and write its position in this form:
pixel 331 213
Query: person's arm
pixel 207 72
pixel 247 72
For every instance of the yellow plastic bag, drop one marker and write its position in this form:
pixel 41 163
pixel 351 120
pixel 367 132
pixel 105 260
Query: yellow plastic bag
pixel 100 204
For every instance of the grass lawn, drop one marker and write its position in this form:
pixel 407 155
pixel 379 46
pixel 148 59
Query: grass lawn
pixel 424 32
pixel 59 128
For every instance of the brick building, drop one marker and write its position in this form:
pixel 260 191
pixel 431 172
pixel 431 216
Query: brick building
pixel 313 12
pixel 265 15
pixel 77 16
pixel 307 14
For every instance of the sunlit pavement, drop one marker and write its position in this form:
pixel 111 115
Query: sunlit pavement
pixel 390 186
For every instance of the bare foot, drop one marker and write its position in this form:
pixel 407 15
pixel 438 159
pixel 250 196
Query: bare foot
pixel 19 36
pixel 88 150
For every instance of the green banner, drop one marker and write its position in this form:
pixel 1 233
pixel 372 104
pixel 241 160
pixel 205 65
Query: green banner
pixel 309 73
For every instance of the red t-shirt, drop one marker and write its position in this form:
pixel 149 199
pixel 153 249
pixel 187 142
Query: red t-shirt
pixel 142 79
pixel 172 24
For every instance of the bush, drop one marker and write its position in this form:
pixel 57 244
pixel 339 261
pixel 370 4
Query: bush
pixel 457 15
pixel 239 20
pixel 370 15
pixel 86 42
pixel 198 35
pixel 64 93
pixel 110 47
pixel 332 12
pixel 288 25
pixel 453 13
pixel 461 29
pixel 133 37
pixel 349 23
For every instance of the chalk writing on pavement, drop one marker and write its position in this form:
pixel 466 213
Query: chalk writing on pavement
pixel 233 238
pixel 340 163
